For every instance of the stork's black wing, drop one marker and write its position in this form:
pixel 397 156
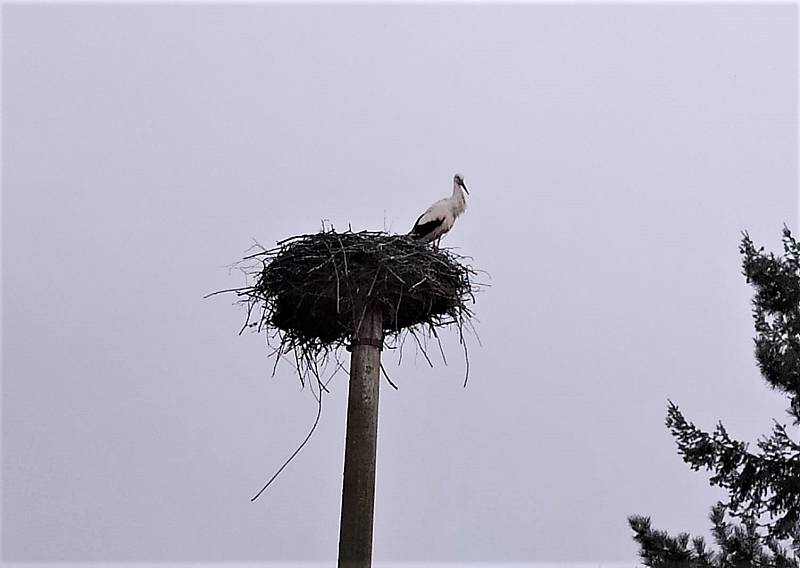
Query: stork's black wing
pixel 420 230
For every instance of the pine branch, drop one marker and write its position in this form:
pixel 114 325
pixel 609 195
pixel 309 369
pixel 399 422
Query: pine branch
pixel 763 487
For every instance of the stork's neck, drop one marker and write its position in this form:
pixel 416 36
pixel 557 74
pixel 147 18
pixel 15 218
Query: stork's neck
pixel 458 193
pixel 459 197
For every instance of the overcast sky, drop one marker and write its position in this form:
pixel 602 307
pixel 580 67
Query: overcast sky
pixel 614 154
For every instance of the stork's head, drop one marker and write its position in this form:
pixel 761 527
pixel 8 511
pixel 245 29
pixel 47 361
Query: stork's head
pixel 458 181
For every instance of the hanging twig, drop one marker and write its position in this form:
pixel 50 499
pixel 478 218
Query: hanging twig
pixel 297 451
pixel 385 374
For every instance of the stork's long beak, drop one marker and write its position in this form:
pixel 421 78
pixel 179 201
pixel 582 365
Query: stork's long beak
pixel 463 186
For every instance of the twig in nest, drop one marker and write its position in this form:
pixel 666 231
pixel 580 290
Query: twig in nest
pixel 466 357
pixel 421 348
pixel 226 291
pixel 436 335
pixel 385 374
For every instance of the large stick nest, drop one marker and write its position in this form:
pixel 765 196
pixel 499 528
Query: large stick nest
pixel 313 289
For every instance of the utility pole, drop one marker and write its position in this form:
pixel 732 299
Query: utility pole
pixel 358 491
pixel 319 292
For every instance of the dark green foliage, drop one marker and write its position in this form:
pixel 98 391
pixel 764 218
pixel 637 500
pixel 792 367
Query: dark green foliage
pixel 776 311
pixel 660 550
pixel 763 487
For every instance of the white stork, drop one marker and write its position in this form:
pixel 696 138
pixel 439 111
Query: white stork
pixel 440 217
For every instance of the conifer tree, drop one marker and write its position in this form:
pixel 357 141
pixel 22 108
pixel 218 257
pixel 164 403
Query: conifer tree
pixel 759 523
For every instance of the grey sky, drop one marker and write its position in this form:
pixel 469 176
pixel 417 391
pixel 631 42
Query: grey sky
pixel 613 154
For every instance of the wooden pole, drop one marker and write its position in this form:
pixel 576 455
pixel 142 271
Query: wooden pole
pixel 358 491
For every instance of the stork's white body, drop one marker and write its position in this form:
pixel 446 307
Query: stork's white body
pixel 440 217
